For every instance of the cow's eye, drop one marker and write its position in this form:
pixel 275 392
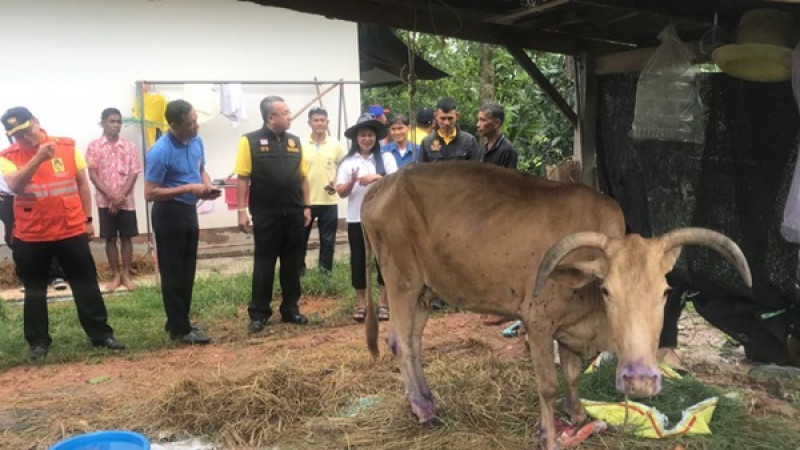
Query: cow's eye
pixel 604 291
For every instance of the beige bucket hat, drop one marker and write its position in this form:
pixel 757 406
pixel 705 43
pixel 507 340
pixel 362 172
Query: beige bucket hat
pixel 763 51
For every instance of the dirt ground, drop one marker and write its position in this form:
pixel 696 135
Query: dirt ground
pixel 35 397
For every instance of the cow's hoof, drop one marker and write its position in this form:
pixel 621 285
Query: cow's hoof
pixel 430 423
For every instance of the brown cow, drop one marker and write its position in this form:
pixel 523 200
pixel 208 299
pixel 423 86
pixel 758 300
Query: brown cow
pixel 493 240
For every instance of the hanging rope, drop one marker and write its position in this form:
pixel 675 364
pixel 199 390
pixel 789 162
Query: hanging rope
pixel 412 42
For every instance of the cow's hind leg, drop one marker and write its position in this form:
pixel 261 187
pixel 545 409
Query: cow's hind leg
pixel 405 340
pixel 571 366
pixel 541 345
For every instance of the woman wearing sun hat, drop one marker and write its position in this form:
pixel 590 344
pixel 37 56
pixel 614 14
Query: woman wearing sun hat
pixel 363 165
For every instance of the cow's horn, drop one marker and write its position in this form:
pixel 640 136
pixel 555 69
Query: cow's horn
pixel 710 238
pixel 564 247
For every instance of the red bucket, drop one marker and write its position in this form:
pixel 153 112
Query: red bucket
pixel 230 193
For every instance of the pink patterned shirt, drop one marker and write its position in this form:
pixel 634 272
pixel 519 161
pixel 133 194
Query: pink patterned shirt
pixel 114 164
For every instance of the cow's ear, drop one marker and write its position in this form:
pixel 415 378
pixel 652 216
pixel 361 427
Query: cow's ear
pixel 580 273
pixel 670 258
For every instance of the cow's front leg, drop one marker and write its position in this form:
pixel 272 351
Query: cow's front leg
pixel 541 345
pixel 571 366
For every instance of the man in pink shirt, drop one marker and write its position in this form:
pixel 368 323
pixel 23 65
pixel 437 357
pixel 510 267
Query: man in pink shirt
pixel 113 168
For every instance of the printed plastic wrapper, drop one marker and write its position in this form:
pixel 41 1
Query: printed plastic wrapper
pixel 649 422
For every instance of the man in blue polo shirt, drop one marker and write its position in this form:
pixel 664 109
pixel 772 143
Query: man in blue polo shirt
pixel 175 178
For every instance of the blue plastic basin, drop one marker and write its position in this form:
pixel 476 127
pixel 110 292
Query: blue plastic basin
pixel 104 440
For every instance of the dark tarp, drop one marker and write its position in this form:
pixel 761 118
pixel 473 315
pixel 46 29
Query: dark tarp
pixel 735 183
pixel 384 58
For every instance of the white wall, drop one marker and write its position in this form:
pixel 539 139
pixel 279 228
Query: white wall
pixel 68 60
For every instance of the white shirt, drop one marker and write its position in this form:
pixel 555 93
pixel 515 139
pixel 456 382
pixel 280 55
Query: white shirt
pixel 365 166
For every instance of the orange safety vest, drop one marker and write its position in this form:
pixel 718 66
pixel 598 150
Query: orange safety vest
pixel 50 208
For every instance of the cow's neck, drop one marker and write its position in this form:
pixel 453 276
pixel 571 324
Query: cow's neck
pixel 584 328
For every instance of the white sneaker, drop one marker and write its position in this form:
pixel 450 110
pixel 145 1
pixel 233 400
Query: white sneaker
pixel 59 284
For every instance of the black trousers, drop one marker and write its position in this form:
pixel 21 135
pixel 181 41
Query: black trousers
pixel 358 257
pixel 177 233
pixel 672 313
pixel 276 237
pixel 7 217
pixel 33 261
pixel 326 217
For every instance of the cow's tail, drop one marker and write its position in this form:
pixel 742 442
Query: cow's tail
pixel 372 318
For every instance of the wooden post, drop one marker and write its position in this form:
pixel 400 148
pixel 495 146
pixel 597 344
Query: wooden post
pixel 585 149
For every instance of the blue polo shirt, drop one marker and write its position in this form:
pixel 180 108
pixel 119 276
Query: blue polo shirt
pixel 409 157
pixel 170 163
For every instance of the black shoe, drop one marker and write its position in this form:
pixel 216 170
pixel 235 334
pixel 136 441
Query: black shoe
pixel 110 343
pixel 256 326
pixel 437 303
pixel 38 352
pixel 192 337
pixel 297 319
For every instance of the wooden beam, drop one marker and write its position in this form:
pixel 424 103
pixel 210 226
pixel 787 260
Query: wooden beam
pixel 451 21
pixel 523 13
pixel 542 81
pixel 635 60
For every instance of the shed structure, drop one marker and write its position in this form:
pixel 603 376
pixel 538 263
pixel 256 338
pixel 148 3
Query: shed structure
pixel 736 182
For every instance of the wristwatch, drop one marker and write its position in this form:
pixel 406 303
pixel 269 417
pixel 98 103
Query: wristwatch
pixel 306 206
pixel 89 219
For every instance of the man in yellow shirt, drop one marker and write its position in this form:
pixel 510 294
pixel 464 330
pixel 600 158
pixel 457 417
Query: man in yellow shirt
pixel 323 154
pixel 423 126
pixel 270 168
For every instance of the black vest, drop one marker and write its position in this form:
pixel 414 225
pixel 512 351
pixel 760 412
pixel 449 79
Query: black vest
pixel 275 178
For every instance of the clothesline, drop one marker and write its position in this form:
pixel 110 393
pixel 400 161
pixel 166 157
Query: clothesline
pixel 143 86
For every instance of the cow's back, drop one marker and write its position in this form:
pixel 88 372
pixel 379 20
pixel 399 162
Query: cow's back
pixel 475 230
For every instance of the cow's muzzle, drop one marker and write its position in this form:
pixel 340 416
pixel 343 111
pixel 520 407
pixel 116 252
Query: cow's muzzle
pixel 639 380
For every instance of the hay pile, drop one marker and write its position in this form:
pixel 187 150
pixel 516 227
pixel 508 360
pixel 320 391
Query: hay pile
pixel 344 400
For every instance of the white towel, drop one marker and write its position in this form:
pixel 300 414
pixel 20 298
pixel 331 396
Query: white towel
pixel 790 227
pixel 231 103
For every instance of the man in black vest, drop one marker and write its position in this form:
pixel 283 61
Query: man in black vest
pixel 270 168
pixel 447 141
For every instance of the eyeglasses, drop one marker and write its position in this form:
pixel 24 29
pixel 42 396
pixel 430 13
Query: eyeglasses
pixel 284 113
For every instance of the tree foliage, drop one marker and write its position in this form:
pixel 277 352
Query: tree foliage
pixel 533 123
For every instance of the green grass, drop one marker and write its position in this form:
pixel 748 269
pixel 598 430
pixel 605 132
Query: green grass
pixel 138 317
pixel 731 426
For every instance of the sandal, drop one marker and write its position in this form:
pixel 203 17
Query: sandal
pixel 360 314
pixel 383 313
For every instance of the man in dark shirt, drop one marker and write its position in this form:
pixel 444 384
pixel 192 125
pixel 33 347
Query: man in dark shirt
pixel 272 172
pixel 447 142
pixel 498 149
